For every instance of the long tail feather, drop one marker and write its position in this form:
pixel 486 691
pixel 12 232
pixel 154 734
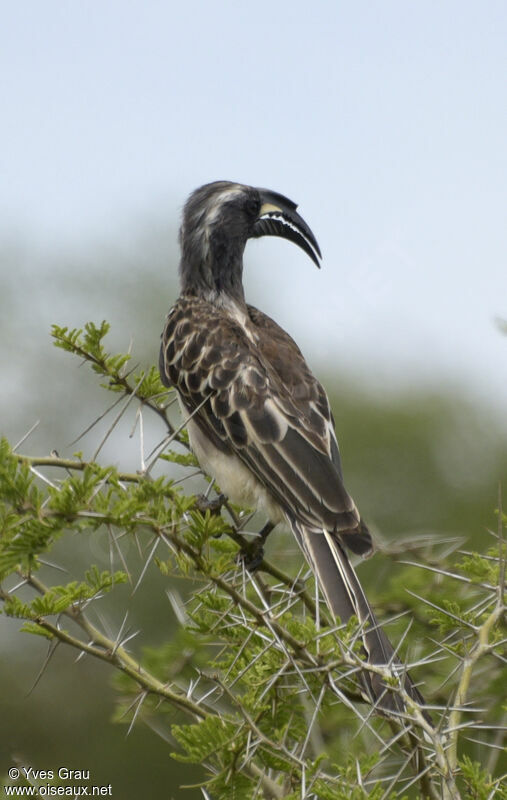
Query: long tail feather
pixel 345 597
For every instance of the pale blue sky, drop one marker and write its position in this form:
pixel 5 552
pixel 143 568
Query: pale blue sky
pixel 386 121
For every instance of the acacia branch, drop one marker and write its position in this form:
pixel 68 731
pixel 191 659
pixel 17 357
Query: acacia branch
pixel 137 477
pixel 105 649
pixel 115 379
pixel 480 648
pixel 73 464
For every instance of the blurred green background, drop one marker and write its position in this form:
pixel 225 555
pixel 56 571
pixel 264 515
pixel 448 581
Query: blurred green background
pixel 418 460
pixel 384 122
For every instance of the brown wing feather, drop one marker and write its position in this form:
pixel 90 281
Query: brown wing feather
pixel 264 405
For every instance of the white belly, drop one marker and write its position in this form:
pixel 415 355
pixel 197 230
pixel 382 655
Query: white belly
pixel 232 476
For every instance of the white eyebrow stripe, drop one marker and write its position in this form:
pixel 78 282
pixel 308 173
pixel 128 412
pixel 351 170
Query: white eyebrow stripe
pixel 219 199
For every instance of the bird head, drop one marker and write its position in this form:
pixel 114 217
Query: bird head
pixel 218 220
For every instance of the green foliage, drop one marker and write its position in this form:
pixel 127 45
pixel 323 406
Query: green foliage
pixel 58 599
pixel 88 345
pixel 478 782
pixel 258 689
pixel 26 531
pixel 204 741
pixel 185 459
pixel 482 569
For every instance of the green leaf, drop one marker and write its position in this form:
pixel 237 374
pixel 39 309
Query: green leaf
pixel 205 739
pixel 477 779
pixel 38 630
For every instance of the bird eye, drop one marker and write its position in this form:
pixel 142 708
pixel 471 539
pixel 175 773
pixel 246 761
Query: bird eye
pixel 253 205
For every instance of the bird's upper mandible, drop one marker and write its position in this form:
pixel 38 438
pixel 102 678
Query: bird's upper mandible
pixel 218 220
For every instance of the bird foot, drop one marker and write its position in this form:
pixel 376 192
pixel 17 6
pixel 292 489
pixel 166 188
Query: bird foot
pixel 203 504
pixel 253 555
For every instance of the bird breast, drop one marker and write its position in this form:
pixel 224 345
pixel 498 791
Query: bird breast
pixel 234 479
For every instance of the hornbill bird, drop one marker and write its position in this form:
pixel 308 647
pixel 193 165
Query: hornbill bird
pixel 259 422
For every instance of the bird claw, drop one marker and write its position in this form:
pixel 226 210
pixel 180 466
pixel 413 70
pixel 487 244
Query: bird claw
pixel 203 504
pixel 252 557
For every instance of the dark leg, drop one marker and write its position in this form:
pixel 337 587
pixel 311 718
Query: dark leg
pixel 252 558
pixel 203 504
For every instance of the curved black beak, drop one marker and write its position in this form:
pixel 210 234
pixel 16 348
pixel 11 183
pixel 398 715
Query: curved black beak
pixel 278 217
